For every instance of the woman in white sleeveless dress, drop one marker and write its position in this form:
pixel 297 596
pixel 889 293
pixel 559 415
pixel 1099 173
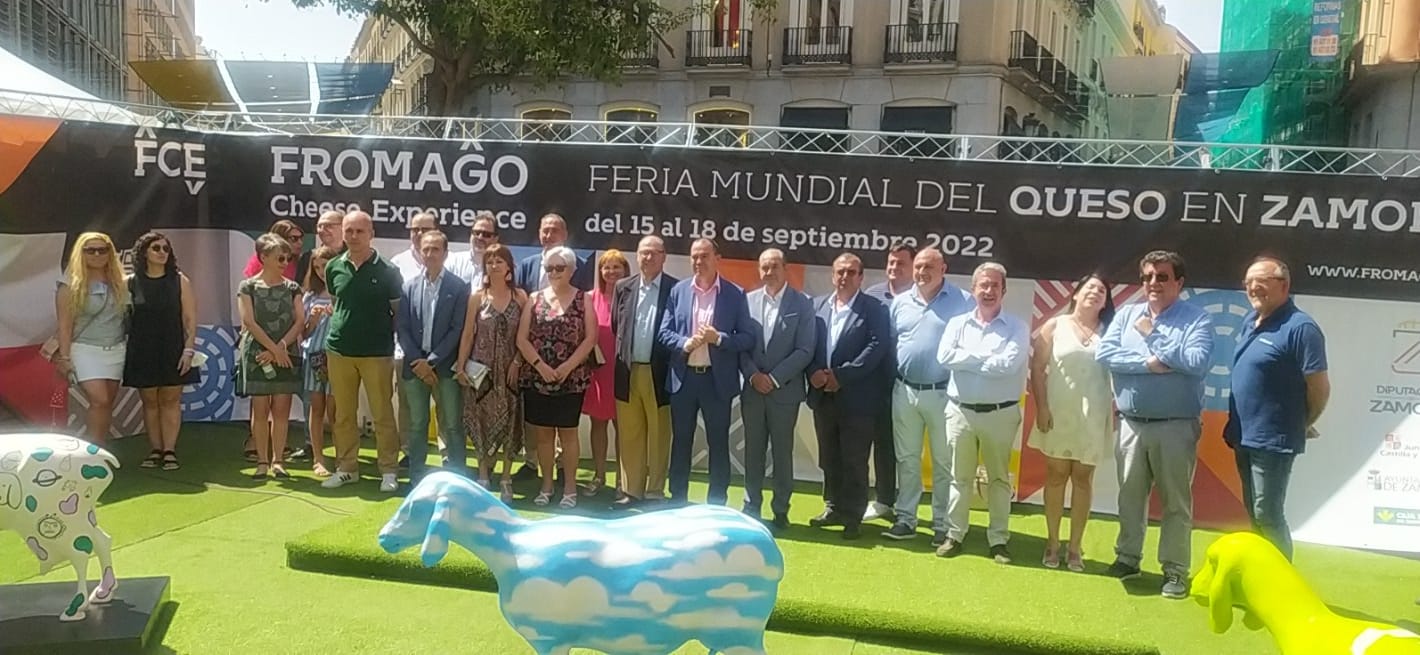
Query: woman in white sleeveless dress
pixel 1074 419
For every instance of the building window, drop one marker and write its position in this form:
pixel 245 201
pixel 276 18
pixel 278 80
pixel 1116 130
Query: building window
pixel 631 133
pixel 535 130
pixel 917 120
pixel 815 118
pixel 724 127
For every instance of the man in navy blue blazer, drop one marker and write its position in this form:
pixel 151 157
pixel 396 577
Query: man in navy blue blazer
pixel 428 325
pixel 706 326
pixel 552 232
pixel 851 340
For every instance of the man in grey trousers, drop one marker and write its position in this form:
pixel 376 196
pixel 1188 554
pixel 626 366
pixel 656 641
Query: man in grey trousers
pixel 1159 352
pixel 773 372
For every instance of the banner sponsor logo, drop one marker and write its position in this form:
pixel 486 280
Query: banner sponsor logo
pixel 1402 483
pixel 172 158
pixel 1397 516
pixel 1400 446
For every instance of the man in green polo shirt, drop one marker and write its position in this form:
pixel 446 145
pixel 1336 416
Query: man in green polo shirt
pixel 360 350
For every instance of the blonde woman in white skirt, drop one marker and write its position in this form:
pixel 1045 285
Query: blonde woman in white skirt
pixel 91 305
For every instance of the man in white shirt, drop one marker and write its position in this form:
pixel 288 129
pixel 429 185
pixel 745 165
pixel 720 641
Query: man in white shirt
pixel 986 351
pixel 469 265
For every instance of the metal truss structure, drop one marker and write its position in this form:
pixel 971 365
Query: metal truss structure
pixel 958 147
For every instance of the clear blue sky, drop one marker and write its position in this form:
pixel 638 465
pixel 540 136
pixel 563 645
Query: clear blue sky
pixel 275 29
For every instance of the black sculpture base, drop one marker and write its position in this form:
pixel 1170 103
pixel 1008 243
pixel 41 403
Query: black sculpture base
pixel 29 618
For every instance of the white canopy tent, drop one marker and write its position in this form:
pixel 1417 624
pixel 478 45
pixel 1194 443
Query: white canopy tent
pixel 27 90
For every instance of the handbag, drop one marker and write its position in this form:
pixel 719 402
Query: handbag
pixel 598 359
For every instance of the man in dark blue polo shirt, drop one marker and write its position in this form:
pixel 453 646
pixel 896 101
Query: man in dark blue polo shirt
pixel 1279 388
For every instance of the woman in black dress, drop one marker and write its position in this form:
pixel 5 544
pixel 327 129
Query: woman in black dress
pixel 161 335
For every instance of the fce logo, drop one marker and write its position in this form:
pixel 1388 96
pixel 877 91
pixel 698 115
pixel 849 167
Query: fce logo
pixel 171 159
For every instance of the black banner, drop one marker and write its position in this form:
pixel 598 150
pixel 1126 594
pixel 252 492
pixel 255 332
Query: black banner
pixel 1343 235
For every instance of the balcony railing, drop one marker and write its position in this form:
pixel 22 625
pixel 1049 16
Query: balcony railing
pixel 920 42
pixel 717 47
pixel 647 56
pixel 818 45
pixel 1054 77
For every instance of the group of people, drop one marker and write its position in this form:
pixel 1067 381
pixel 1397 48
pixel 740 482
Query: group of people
pixel 497 350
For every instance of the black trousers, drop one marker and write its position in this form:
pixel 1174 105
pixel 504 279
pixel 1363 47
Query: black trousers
pixel 885 456
pixel 843 443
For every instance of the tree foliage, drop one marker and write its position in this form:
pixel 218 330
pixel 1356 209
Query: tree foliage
pixel 482 44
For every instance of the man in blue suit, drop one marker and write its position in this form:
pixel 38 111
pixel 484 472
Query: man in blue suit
pixel 552 232
pixel 428 325
pixel 774 383
pixel 706 326
pixel 851 341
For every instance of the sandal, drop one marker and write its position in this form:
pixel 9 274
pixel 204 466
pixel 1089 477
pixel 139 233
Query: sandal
pixel 170 461
pixel 1076 562
pixel 154 458
pixel 260 474
pixel 1051 560
pixel 319 469
pixel 569 501
pixel 507 491
pixel 543 498
pixel 278 471
pixel 593 487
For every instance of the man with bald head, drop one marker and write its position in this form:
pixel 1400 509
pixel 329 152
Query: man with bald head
pixel 773 369
pixel 919 397
pixel 643 414
pixel 360 347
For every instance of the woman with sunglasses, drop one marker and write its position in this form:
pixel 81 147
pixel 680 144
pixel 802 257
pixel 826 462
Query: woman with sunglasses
pixel 268 367
pixel 556 336
pixel 162 332
pixel 90 306
pixel 295 238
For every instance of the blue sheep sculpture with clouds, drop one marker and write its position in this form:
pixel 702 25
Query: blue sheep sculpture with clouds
pixel 640 585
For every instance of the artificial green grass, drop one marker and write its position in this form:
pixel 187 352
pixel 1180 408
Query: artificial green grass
pixel 234 594
pixel 884 590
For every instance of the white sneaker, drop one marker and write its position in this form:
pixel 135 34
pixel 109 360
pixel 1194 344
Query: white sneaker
pixel 339 479
pixel 388 483
pixel 877 510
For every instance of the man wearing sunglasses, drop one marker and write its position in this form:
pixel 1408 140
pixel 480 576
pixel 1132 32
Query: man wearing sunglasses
pixel 469 265
pixel 1158 352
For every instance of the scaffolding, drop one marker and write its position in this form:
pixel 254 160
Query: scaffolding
pixel 1300 103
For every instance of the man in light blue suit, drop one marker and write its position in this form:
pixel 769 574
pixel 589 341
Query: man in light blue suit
pixel 428 325
pixel 773 371
pixel 706 325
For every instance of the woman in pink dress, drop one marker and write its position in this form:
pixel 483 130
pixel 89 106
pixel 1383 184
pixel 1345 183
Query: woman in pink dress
pixel 600 402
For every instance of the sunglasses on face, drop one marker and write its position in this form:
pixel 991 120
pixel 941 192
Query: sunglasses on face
pixel 96 250
pixel 160 247
pixel 284 258
pixel 295 238
pixel 1155 277
pixel 555 268
pixel 484 234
